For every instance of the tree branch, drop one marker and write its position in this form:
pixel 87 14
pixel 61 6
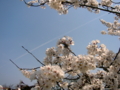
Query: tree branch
pixel 15 64
pixel 33 56
pixel 59 85
pixel 116 56
pixel 67 3
pixel 24 68
pixel 29 68
pixel 68 71
pixel 71 51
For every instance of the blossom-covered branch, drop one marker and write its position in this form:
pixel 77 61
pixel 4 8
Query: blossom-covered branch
pixel 62 6
pixel 77 67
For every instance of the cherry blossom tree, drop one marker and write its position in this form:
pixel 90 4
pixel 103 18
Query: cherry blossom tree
pixel 62 69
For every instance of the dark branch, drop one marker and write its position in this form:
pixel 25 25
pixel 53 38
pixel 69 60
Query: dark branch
pixel 87 78
pixel 29 68
pixel 71 51
pixel 24 68
pixel 33 56
pixel 67 3
pixel 59 85
pixel 104 68
pixel 115 56
pixel 68 71
pixel 15 64
pixel 107 10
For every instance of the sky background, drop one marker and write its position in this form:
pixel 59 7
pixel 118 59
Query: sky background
pixel 38 29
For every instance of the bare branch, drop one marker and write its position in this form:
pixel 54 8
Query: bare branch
pixel 116 56
pixel 24 68
pixel 33 56
pixel 15 64
pixel 71 51
pixel 30 68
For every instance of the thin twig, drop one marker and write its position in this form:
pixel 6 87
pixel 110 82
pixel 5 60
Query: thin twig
pixel 33 56
pixel 23 68
pixel 116 56
pixel 15 64
pixel 30 68
pixel 68 71
pixel 71 51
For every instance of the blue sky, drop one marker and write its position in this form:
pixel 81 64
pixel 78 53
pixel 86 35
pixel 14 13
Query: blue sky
pixel 38 29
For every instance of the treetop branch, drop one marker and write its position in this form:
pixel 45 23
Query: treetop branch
pixel 23 68
pixel 15 64
pixel 33 56
pixel 30 68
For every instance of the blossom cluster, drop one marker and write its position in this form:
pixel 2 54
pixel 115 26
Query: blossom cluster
pixel 106 2
pixel 61 55
pixel 110 78
pixel 103 56
pixel 88 81
pixel 94 49
pixel 57 5
pixel 62 6
pixel 29 74
pixel 60 67
pixel 95 84
pixel 113 28
pixel 53 55
pixel 80 63
pixel 47 76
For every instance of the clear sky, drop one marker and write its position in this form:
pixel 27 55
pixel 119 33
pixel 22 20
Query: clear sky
pixel 38 29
